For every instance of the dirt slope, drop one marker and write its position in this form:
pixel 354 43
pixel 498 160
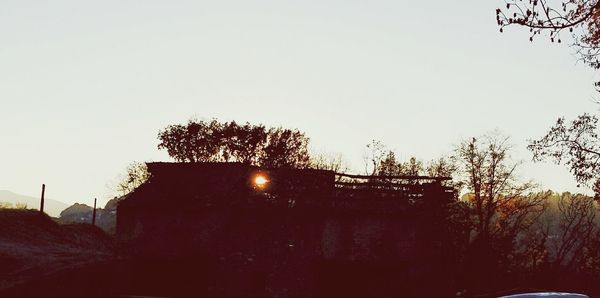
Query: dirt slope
pixel 33 246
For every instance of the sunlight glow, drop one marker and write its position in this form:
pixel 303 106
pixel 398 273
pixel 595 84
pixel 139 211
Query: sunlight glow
pixel 260 181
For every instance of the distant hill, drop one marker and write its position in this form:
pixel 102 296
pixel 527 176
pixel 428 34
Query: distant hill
pixel 51 207
pixel 81 213
pixel 77 213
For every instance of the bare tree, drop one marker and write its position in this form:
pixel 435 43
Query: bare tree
pixel 576 226
pixel 580 17
pixel 136 174
pixel 374 155
pixel 500 203
pixel 331 162
pixel 500 207
pixel 576 144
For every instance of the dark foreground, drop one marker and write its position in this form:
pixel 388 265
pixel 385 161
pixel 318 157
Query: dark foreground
pixel 196 278
pixel 40 258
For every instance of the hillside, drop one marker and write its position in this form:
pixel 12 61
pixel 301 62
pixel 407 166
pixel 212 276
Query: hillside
pixel 33 246
pixel 51 207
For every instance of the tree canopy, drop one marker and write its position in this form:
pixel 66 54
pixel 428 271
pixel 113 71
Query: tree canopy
pixel 212 141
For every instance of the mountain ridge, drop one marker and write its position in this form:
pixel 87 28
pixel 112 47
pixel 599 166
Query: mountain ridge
pixel 51 207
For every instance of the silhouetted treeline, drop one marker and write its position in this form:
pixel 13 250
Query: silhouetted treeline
pixel 516 236
pixel 502 233
pixel 200 141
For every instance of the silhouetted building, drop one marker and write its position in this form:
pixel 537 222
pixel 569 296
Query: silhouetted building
pixel 289 232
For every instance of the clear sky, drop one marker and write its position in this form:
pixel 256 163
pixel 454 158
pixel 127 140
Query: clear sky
pixel 86 85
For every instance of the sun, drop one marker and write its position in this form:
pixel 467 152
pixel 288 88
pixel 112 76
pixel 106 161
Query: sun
pixel 260 181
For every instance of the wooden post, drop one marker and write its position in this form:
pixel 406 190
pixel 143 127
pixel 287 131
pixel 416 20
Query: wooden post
pixel 42 200
pixel 94 214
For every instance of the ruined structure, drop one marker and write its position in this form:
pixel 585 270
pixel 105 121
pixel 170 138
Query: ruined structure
pixel 257 232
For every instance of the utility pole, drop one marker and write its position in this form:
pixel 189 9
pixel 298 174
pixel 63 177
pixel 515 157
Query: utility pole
pixel 94 214
pixel 42 200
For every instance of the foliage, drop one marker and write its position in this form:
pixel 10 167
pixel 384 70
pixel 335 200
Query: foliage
pixel 373 156
pixel 243 142
pixel 563 238
pixel 500 227
pixel 21 206
pixel 503 227
pixel 576 225
pixel 136 175
pixel 8 205
pixel 516 230
pixel 580 17
pixel 499 202
pixel 195 141
pixel 499 208
pixel 331 162
pixel 576 144
pixel 285 148
pixel 384 163
pixel 200 141
pixel 446 167
pixel 390 167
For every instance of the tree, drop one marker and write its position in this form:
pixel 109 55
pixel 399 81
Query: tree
pixel 442 167
pixel 576 144
pixel 446 167
pixel 196 141
pixel 285 148
pixel 562 238
pixel 330 162
pixel 136 175
pixel 243 143
pixel 580 17
pixel 501 207
pixel 576 225
pixel 388 166
pixel 413 167
pixel 213 141
pixel 373 156
pixel 500 202
pixel 531 245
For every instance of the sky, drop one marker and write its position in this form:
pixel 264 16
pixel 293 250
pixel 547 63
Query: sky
pixel 85 86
